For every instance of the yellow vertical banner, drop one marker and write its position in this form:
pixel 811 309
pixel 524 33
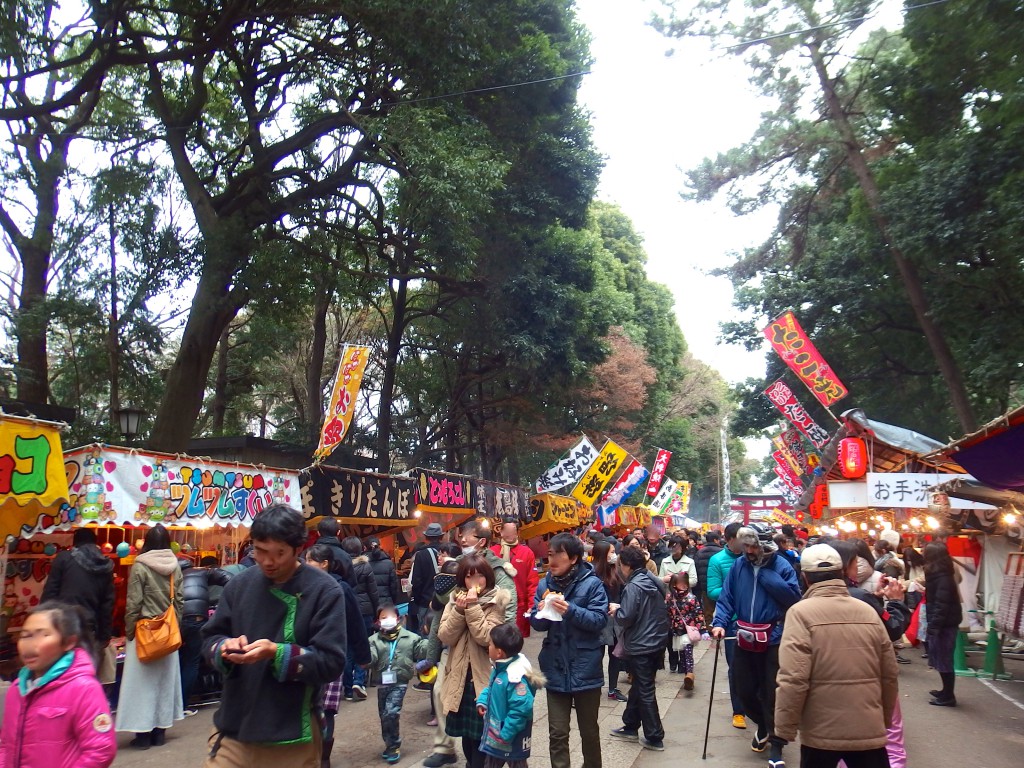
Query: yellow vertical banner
pixel 608 461
pixel 342 405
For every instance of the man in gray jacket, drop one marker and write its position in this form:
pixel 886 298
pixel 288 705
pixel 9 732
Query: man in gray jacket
pixel 642 618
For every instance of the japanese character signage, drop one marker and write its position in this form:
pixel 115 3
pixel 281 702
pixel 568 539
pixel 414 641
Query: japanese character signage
pixel 342 405
pixel 550 513
pixel 445 493
pixel 358 498
pixel 502 502
pixel 668 490
pixel 679 504
pixel 795 448
pixel 782 397
pixel 604 468
pixel 569 469
pixel 799 353
pixel 33 486
pixel 632 476
pixel 114 485
pixel 911 489
pixel 783 466
pixel 786 477
pixel 658 473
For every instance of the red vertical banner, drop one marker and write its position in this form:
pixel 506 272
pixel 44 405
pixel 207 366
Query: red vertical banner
pixel 658 472
pixel 782 397
pixel 799 353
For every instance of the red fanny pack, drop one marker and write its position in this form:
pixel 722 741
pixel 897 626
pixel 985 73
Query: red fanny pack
pixel 753 637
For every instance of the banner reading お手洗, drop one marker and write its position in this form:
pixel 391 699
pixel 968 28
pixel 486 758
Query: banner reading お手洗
pixel 342 405
pixel 799 353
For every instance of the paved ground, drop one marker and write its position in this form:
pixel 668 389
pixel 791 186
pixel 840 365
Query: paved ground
pixel 985 731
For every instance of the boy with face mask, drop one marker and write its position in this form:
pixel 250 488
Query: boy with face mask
pixel 394 651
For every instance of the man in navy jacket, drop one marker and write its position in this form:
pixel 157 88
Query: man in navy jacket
pixel 759 589
pixel 571 657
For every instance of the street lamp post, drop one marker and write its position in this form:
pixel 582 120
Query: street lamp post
pixel 128 420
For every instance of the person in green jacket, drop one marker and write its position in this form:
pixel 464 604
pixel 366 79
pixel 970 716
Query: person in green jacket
pixel 394 652
pixel 718 569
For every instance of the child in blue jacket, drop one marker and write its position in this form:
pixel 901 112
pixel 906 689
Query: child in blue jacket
pixel 506 704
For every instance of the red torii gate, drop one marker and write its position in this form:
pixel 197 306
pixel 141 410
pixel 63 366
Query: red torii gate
pixel 764 503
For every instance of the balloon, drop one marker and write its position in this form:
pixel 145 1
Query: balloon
pixel 175 547
pixel 50 549
pixel 123 549
pixel 186 548
pixel 108 548
pixel 140 543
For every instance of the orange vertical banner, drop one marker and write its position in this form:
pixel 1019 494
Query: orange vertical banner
pixel 342 405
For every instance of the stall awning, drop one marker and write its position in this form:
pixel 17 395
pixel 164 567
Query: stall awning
pixel 358 498
pixel 33 485
pixel 123 486
pixel 550 514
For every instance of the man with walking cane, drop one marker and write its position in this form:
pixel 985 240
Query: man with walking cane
pixel 759 589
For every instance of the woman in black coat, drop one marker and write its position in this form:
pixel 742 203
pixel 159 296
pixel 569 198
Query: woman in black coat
pixel 389 588
pixel 944 612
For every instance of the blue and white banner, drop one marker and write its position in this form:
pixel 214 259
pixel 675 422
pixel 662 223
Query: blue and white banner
pixel 632 478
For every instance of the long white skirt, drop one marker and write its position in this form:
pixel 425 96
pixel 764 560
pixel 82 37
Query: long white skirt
pixel 150 694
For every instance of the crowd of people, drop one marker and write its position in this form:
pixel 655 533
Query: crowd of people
pixel 305 627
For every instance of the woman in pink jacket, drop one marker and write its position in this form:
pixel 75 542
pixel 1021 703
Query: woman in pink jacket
pixel 56 714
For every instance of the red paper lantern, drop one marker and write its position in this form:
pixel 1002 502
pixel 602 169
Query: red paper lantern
pixel 853 457
pixel 817 507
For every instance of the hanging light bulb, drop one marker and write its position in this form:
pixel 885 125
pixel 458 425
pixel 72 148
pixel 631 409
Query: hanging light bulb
pixel 932 523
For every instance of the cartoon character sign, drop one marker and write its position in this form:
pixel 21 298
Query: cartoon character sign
pixel 93 489
pixel 157 504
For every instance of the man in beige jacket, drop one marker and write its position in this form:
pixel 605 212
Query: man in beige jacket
pixel 837 673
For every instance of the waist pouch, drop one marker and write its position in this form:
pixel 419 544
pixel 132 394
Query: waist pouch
pixel 753 637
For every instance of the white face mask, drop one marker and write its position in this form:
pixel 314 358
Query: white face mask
pixel 468 550
pixel 388 622
pixel 613 558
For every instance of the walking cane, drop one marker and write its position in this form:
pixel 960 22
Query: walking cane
pixel 711 699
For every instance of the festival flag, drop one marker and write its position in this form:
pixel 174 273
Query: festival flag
pixel 783 450
pixel 799 353
pixel 658 473
pixel 791 477
pixel 668 489
pixel 795 446
pixel 347 380
pixel 630 479
pixel 782 397
pixel 600 473
pixel 569 468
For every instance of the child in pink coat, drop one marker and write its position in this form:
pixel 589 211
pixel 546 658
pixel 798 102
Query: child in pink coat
pixel 56 715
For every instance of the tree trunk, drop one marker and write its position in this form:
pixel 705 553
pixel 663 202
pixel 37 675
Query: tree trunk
pixel 219 406
pixel 315 366
pixel 32 371
pixel 213 308
pixel 387 385
pixel 908 271
pixel 113 351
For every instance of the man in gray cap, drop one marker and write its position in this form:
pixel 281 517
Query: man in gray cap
pixel 758 590
pixel 421 577
pixel 843 713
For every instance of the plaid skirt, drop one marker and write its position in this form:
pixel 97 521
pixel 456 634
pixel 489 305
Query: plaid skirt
pixel 332 695
pixel 465 723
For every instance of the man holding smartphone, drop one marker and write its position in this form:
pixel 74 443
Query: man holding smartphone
pixel 278 635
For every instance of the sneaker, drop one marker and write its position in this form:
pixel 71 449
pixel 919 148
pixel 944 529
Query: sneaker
pixel 950 702
pixel 391 755
pixel 902 659
pixel 739 722
pixel 759 743
pixel 348 695
pixel 437 759
pixel 419 685
pixel 779 763
pixel 616 695
pixel 654 746
pixel 190 712
pixel 625 734
pixel 359 693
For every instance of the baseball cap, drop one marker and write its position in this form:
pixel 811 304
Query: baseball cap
pixel 819 558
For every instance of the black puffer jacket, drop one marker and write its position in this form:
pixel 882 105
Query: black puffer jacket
pixel 84 576
pixel 342 558
pixel 700 562
pixel 389 588
pixel 642 617
pixel 366 586
pixel 942 600
pixel 195 588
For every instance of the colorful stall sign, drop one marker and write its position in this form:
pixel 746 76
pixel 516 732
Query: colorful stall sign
pixel 550 513
pixel 358 498
pixel 347 381
pixel 679 504
pixel 600 473
pixel 33 486
pixel 445 493
pixel 799 353
pixel 114 485
pixel 658 473
pixel 630 479
pixel 569 468
pixel 782 397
